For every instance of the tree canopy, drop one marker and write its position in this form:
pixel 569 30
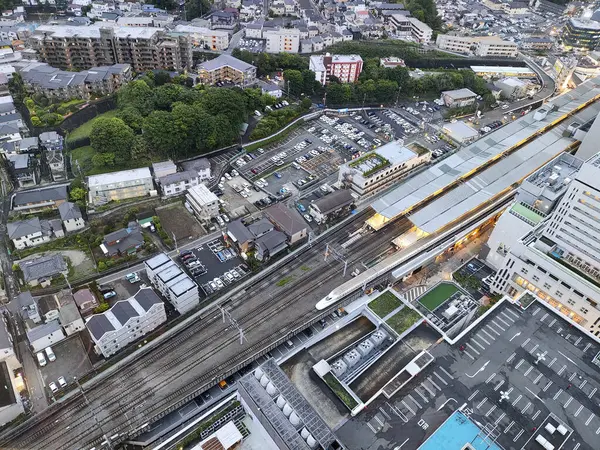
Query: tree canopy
pixel 112 135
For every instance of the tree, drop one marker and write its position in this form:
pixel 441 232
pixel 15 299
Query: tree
pixel 166 95
pixel 306 103
pixel 132 118
pixel 196 8
pixel 112 135
pixel 310 85
pixel 138 95
pixel 161 77
pixel 16 87
pixel 228 102
pixel 159 133
pixel 77 194
pixel 100 160
pixel 294 82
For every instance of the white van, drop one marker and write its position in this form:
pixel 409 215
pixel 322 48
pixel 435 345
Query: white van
pixel 41 359
pixel 50 354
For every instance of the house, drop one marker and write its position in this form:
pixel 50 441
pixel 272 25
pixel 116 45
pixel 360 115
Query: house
pixel 45 335
pixel 24 169
pixel 239 233
pixel 43 269
pixel 56 228
pixel 163 168
pixel 270 244
pixel 459 98
pixel 9 133
pixel 178 182
pixel 334 205
pixel 173 283
pixel 56 163
pixel 201 166
pixel 203 202
pixel 272 89
pixel 28 307
pixel 120 185
pixel 51 140
pixel 127 321
pixel 71 217
pixel 38 199
pixel 29 144
pixel 29 233
pixel 48 307
pixel 68 313
pixel 125 241
pixel 289 221
pixel 11 378
pixel 85 300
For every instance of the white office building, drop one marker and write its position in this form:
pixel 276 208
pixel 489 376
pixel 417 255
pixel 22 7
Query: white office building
pixel 127 321
pixel 282 40
pixel 119 185
pixel 172 282
pixel 203 202
pixel 559 260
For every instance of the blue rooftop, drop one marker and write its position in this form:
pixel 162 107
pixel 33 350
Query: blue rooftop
pixel 455 433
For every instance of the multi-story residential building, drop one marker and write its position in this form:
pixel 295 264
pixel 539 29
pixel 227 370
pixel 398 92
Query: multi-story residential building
pixel 172 282
pixel 24 169
pixel 478 45
pixel 163 168
pixel 459 98
pixel 29 233
pixel 127 321
pixel 201 166
pixel 71 217
pixel 380 168
pixel 54 83
pixel 537 43
pixel 515 8
pixel 177 183
pixel 336 204
pixel 346 68
pixel 203 202
pixel 282 40
pixel 581 33
pixel 537 197
pixel 119 185
pixel 419 30
pixel 38 199
pixel 226 68
pixel 391 62
pixel 11 377
pixel 205 38
pixel 558 261
pixel 105 44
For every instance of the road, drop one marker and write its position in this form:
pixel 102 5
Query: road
pixel 191 360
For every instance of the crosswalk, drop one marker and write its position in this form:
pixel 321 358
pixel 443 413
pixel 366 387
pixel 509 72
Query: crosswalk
pixel 414 293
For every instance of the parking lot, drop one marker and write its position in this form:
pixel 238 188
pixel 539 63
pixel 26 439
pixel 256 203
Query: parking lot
pixel 518 368
pixel 477 271
pixel 222 264
pixel 71 361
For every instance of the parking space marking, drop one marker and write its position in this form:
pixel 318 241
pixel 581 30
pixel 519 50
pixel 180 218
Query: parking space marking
pixel 547 386
pixel 587 347
pixel 528 371
pixel 478 344
pixel 491 410
pixel 481 403
pixel 538 378
pixel 577 446
pixel 500 418
pixel 414 401
pixel 490 378
pixel 562 369
pixel 598 430
pixel 552 362
pixel 518 436
pixel 424 386
pixel 489 335
pixel 573 375
pixel 510 311
pixel 510 425
pixel 496 325
pixel 483 339
pixel 510 358
pixel 469 355
pixel 578 341
pixel 507 316
pixel 535 347
pixel 472 396
pixel 551 323
pixel 517 400
pixel 578 411
pixel 537 310
pixel 592 393
pixel 568 402
pixel 409 408
pixel 536 414
pixel 499 385
pixel 490 328
pixel 421 395
pixel 376 417
pixel 473 348
pixel 544 317
pixel 503 321
pixel 526 408
pixel 433 384
pixel 583 384
pixel 560 391
pixel 525 342
pixel 446 372
pixel 521 361
pixel 441 379
pixel 587 422
pixel 371 427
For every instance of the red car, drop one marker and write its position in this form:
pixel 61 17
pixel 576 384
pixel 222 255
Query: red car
pixel 254 171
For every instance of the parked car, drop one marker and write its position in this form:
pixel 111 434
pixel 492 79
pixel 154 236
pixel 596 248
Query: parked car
pixel 50 354
pixel 53 387
pixel 62 382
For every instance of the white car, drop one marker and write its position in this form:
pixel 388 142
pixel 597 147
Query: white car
pixel 308 217
pixel 219 283
pixel 53 386
pixel 62 382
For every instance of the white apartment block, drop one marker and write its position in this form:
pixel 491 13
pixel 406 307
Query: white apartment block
pixel 29 233
pixel 119 185
pixel 177 183
pixel 174 284
pixel 282 40
pixel 477 45
pixel 203 202
pixel 379 169
pixel 559 260
pixel 127 321
pixel 420 31
pixel 205 38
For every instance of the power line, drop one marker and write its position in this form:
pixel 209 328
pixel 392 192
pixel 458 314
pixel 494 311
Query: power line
pixel 232 321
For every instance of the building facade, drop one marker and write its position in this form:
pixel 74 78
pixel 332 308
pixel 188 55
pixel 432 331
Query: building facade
pixel 119 185
pixel 226 68
pixel 346 68
pixel 485 46
pixel 581 33
pixel 282 40
pixel 172 282
pixel 127 321
pixel 459 98
pixel 205 38
pixel 203 202
pixel 177 183
pixel 71 217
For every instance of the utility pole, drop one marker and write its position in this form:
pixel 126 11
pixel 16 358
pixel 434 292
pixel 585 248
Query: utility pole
pixel 87 402
pixel 232 321
pixel 337 256
pixel 175 240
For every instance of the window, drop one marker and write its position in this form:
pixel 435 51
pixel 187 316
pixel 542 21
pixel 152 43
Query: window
pixel 559 294
pixel 547 286
pixel 524 270
pixel 571 302
pixel 584 310
pixel 536 278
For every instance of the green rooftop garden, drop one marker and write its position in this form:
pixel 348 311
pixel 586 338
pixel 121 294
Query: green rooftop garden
pixel 384 304
pixel 438 295
pixel 340 391
pixel 380 163
pixel 528 213
pixel 403 319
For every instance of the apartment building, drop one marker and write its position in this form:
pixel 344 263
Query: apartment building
pixel 282 40
pixel 379 169
pixel 172 282
pixel 205 38
pixel 226 68
pixel 581 33
pixel 558 261
pixel 177 183
pixel 537 43
pixel 40 78
pixel 119 185
pixel 71 217
pixel 105 44
pixel 478 45
pixel 459 98
pixel 203 202
pixel 127 321
pixel 346 68
pixel 420 31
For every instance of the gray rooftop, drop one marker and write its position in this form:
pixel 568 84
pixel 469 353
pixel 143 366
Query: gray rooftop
pixel 147 298
pixel 123 311
pixel 225 60
pixel 33 196
pixel 460 93
pixel 23 228
pixel 240 231
pixel 178 177
pixel 43 330
pixel 334 201
pixel 99 325
pixel 42 267
pixel 259 227
pixel 287 219
pixel 157 261
pixel 272 241
pixel 69 313
pixel 69 211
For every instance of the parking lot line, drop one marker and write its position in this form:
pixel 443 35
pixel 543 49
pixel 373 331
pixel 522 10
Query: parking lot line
pixel 525 342
pixel 469 355
pixel 587 347
pixel 495 324
pixel 583 384
pixel 526 408
pixel 478 344
pixel 557 394
pixel 511 357
pixel 535 347
pixel 441 379
pixel 503 321
pixel 482 402
pixel 592 393
pixel 424 386
pixel 421 395
pixel 573 375
pixel 483 339
pixel 552 362
pixel 472 396
pixel 598 430
pixel 473 348
pixel 490 378
pixel 578 341
pixel 446 372
pixel 536 414
pixel 490 328
pixel 537 310
pixel 517 400
pixel 433 384
pixel 490 336
pixel 409 408
pixel 547 386
pixel 499 385
pixel 518 436
pixel 568 402
pixel 507 429
pixel 538 378
pixel 510 311
pixel 500 418
pixel 507 316
pixel 528 371
pixel 551 323
pixel 371 427
pixel 521 361
pixel 414 401
pixel 587 422
pixel 376 417
pixel 491 410
pixel 384 412
pixel 562 369
pixel 544 317
pixel 578 411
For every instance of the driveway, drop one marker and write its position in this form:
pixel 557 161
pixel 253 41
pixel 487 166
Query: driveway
pixel 39 402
